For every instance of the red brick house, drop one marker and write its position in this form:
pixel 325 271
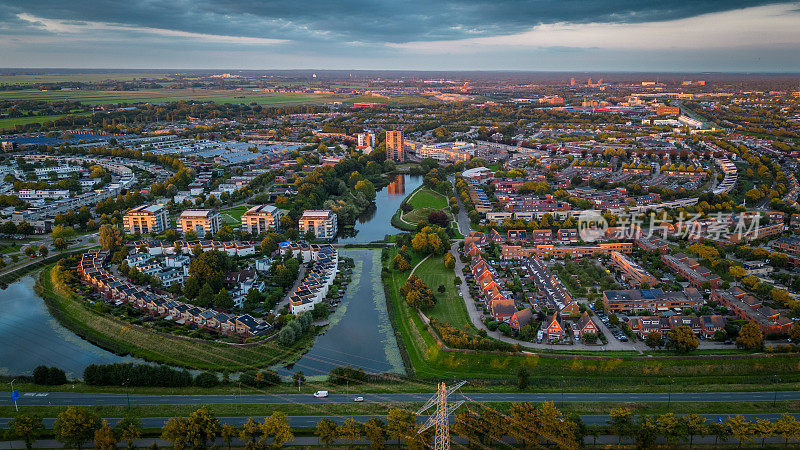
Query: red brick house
pixel 521 318
pixel 585 325
pixel 554 330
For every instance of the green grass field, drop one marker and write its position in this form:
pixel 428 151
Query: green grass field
pixel 449 306
pixel 123 338
pixel 76 77
pixel 400 100
pixel 424 201
pixel 9 122
pixel 233 216
pixel 165 95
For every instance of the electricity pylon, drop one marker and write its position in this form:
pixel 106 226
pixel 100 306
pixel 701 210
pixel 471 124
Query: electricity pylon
pixel 441 420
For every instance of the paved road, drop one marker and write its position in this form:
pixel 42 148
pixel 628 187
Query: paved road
pixel 86 399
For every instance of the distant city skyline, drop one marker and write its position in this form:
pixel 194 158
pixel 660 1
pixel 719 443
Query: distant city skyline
pixel 539 35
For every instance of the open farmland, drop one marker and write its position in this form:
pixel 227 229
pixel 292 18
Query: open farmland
pixel 93 97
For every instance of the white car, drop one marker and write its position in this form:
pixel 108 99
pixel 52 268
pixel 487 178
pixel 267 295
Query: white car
pixel 320 394
pixel 358 399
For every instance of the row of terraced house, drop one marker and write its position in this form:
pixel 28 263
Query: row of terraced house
pixel 318 279
pixel 119 291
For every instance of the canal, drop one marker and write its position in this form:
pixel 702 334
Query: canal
pixel 30 336
pixel 359 333
pixel 376 223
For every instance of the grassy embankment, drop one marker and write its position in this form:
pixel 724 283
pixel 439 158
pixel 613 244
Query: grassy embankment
pixel 125 339
pixel 578 370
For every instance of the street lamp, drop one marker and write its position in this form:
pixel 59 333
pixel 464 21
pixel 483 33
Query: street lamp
pixel 563 383
pixel 669 396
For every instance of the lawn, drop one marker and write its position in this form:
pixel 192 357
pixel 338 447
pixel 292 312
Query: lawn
pixel 426 198
pixel 579 275
pixel 449 307
pixel 616 371
pixel 233 216
pixel 123 338
pixel 424 201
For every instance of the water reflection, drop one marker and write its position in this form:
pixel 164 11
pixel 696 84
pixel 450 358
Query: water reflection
pixel 30 336
pixel 360 334
pixel 375 223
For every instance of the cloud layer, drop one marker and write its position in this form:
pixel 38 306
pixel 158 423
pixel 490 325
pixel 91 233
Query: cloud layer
pixel 414 34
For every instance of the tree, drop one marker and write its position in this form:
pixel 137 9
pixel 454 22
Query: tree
pixel 223 300
pixel 525 420
pixel 646 432
pixel 27 428
pixel 750 336
pixel 654 340
pixel 110 236
pixel 695 426
pixel 202 426
pixel 400 263
pixel 75 426
pixel 787 427
pixel 60 244
pixel 670 426
pixel 468 426
pixel 175 431
pixel 250 432
pixel 327 431
pixel 104 438
pixel 350 431
pixel 682 339
pixel 401 425
pixel 740 428
pixel 763 429
pixel 449 261
pixel 276 427
pixel 43 250
pixel 522 377
pixel 375 432
pixel 129 429
pixel 621 421
pixel 228 432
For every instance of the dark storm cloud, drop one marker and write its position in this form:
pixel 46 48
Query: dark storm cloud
pixel 392 21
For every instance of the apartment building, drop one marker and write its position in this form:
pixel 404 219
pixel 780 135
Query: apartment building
pixel 652 244
pixel 395 149
pixel 145 219
pixel 652 300
pixel 321 222
pixel 202 221
pixel 632 271
pixel 261 218
pixel 690 269
pixel 512 252
pixel 751 309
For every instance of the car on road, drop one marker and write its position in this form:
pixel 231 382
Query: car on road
pixel 320 394
pixel 358 399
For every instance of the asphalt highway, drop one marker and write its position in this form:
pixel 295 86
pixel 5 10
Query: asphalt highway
pixel 87 399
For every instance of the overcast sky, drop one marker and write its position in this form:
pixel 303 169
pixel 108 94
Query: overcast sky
pixel 596 35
